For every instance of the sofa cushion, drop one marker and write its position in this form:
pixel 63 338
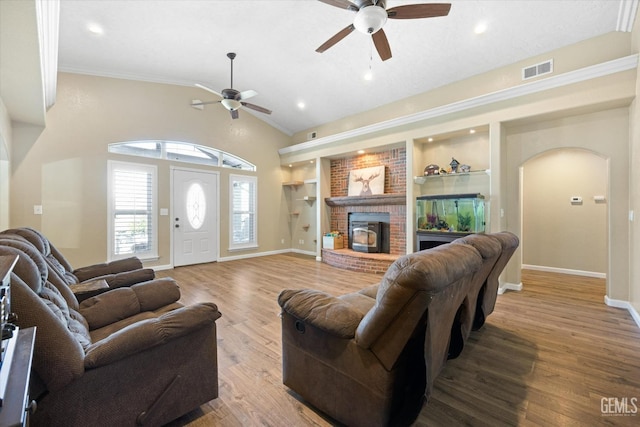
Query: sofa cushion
pixel 109 307
pixel 96 270
pixel 55 302
pixel 428 271
pixel 322 310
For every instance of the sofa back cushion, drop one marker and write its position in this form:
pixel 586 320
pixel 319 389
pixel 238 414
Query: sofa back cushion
pixel 419 275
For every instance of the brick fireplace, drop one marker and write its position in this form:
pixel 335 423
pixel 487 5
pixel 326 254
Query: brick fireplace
pixel 393 203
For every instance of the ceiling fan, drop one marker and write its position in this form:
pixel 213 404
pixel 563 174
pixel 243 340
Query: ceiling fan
pixel 232 99
pixel 372 15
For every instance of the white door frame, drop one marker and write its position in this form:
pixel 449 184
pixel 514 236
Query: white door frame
pixel 172 169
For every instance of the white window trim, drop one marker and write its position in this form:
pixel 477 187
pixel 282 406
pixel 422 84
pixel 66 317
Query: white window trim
pixel 152 254
pixel 254 243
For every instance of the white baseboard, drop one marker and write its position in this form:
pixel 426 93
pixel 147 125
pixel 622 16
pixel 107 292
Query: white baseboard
pixel 509 287
pixel 254 255
pixel 625 305
pixel 300 251
pixel 246 256
pixel 161 267
pixel 565 271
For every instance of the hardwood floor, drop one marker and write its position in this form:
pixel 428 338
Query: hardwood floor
pixel 547 356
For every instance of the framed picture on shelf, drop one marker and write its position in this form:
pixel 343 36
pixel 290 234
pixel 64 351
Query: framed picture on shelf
pixel 366 182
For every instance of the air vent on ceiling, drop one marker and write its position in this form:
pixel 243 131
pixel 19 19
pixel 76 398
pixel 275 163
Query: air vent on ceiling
pixel 536 70
pixel 311 135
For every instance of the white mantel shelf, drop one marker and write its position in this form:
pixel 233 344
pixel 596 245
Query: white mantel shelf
pixel 378 199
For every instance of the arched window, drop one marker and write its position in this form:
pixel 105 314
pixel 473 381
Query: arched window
pixel 182 152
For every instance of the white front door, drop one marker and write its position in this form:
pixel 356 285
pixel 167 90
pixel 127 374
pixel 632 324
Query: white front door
pixel 195 216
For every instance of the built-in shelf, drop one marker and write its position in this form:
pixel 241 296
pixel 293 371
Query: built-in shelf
pixel 422 179
pixel 377 199
pixel 292 183
pixel 309 199
pixel 306 227
pixel 295 213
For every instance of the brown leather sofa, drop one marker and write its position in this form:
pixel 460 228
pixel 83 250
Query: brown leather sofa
pixel 370 358
pixel 85 281
pixel 117 358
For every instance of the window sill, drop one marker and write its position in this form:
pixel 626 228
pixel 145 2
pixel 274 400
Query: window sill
pixel 242 248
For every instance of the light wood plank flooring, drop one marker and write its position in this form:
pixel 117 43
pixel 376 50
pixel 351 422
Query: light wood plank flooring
pixel 546 356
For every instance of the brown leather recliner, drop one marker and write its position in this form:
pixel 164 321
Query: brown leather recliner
pixel 133 355
pixel 371 357
pixel 488 292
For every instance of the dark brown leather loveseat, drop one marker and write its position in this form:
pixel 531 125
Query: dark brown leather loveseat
pixel 130 356
pixel 370 358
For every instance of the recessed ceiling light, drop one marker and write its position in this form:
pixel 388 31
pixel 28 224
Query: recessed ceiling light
pixel 480 28
pixel 290 166
pixel 430 139
pixel 95 29
pixel 311 161
pixel 472 131
pixel 368 76
pixel 301 105
pixel 360 151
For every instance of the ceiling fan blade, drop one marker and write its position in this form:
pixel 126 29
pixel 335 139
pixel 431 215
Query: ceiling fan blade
pixel 382 44
pixel 342 4
pixel 247 94
pixel 415 11
pixel 256 107
pixel 208 89
pixel 196 104
pixel 234 114
pixel 335 39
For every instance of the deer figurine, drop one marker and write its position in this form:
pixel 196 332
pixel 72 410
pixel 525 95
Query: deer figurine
pixel 366 189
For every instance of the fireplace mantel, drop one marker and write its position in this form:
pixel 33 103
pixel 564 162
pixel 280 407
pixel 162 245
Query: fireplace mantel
pixel 377 199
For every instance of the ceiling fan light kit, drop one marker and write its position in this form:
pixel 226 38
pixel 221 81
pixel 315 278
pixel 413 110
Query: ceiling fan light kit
pixel 370 19
pixel 231 104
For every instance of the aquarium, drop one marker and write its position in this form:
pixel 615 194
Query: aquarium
pixel 453 213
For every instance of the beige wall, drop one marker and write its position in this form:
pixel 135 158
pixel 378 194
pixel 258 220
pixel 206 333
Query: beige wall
pixel 65 168
pixel 559 234
pixel 634 156
pixel 5 165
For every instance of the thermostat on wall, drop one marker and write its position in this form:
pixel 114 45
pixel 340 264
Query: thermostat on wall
pixel 576 200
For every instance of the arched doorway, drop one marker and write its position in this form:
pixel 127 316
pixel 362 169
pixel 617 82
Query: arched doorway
pixel 564 212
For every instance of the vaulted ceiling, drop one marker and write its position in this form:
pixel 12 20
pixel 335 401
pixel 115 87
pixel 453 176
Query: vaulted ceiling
pixel 185 42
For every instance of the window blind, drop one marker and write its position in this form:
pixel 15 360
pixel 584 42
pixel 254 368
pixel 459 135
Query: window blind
pixel 243 211
pixel 133 229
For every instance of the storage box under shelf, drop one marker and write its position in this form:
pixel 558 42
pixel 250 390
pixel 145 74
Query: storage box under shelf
pixel 332 242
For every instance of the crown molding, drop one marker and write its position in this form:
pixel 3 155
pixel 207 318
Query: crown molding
pixel 627 15
pixel 583 74
pixel 48 15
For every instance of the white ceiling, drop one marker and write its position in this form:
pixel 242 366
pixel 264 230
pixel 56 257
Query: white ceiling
pixel 185 42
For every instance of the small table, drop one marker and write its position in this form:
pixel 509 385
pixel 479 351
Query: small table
pixel 16 403
pixel 85 290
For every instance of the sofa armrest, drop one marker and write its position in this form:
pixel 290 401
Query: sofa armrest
pixel 149 333
pixel 118 304
pixel 113 267
pixel 321 310
pixel 128 278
